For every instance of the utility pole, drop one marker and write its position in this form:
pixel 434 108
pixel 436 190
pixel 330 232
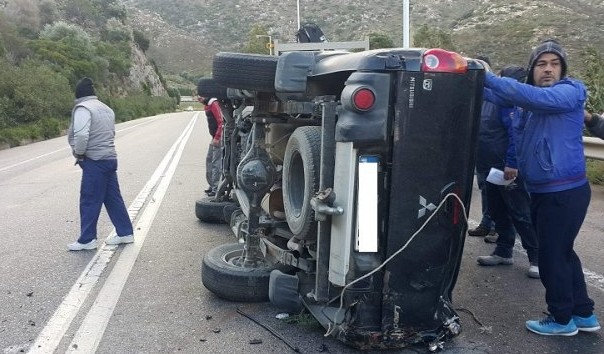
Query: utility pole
pixel 298 2
pixel 405 23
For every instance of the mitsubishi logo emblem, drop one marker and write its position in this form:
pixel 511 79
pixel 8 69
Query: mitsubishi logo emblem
pixel 424 206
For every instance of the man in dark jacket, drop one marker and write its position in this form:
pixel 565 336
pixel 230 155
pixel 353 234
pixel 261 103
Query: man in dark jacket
pixel 508 204
pixel 92 140
pixel 486 227
pixel 548 130
pixel 212 126
pixel 595 124
pixel 214 156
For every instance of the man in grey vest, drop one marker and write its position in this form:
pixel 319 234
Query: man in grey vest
pixel 91 136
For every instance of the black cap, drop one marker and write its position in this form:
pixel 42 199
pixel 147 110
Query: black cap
pixel 515 72
pixel 84 88
pixel 484 58
pixel 547 46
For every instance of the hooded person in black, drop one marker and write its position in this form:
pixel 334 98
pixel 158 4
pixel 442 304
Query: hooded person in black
pixel 509 205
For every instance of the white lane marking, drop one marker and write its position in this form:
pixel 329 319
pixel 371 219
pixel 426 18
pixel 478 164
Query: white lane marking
pixel 62 149
pixel 51 335
pixel 90 333
pixel 30 160
pixel 591 278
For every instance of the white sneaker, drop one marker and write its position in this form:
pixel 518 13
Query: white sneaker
pixel 116 240
pixel 533 272
pixel 76 246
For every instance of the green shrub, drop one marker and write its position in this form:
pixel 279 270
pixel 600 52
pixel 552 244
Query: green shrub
pixel 140 105
pixel 141 40
pixel 51 127
pixel 15 136
pixel 31 92
pixel 117 55
pixel 595 171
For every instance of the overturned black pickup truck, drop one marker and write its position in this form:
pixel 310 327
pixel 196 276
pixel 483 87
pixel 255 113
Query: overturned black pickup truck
pixel 346 179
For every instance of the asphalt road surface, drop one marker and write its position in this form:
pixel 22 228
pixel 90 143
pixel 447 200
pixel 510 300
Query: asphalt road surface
pixel 148 298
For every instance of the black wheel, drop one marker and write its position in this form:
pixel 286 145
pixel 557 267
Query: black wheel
pixel 222 273
pixel 211 211
pixel 245 71
pixel 301 180
pixel 208 87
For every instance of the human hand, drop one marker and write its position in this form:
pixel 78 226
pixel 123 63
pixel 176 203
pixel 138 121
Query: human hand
pixel 487 67
pixel 510 173
pixel 586 116
pixel 78 158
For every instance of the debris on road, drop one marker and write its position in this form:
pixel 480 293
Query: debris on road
pixel 272 331
pixel 281 316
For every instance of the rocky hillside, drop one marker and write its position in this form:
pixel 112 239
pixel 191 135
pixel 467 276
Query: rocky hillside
pixel 186 34
pixel 143 74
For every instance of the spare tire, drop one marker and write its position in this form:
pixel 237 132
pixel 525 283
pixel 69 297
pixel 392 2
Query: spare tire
pixel 301 166
pixel 208 87
pixel 223 273
pixel 254 72
pixel 212 211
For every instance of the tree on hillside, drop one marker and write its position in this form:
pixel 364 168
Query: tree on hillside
pixel 141 40
pixel 82 12
pixel 112 9
pixel 49 12
pixel 20 92
pixel 25 14
pixel 380 40
pixel 257 44
pixel 70 51
pixel 13 46
pixel 594 79
pixel 431 37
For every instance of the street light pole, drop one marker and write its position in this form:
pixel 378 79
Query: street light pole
pixel 298 3
pixel 405 23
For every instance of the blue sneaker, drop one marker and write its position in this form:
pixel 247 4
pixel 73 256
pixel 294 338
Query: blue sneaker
pixel 549 327
pixel 587 324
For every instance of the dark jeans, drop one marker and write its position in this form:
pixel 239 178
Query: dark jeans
pixel 558 217
pixel 100 186
pixel 481 181
pixel 510 208
pixel 209 157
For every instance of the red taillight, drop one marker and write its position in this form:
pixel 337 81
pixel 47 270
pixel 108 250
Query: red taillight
pixel 443 61
pixel 363 99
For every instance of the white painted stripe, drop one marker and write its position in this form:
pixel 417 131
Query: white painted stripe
pixel 54 331
pixel 30 160
pixel 88 337
pixel 591 278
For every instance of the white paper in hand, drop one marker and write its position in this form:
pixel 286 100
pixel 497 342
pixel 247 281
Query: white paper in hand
pixel 496 177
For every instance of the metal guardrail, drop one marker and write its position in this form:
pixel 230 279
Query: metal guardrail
pixel 594 148
pixel 288 47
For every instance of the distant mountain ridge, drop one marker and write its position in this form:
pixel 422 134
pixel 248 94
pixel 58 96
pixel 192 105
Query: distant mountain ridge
pixel 186 34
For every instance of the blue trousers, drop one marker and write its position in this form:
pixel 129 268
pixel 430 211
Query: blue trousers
pixel 557 218
pixel 510 208
pixel 100 186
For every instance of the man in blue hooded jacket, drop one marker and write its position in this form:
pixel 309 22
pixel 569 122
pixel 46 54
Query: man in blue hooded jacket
pixel 548 127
